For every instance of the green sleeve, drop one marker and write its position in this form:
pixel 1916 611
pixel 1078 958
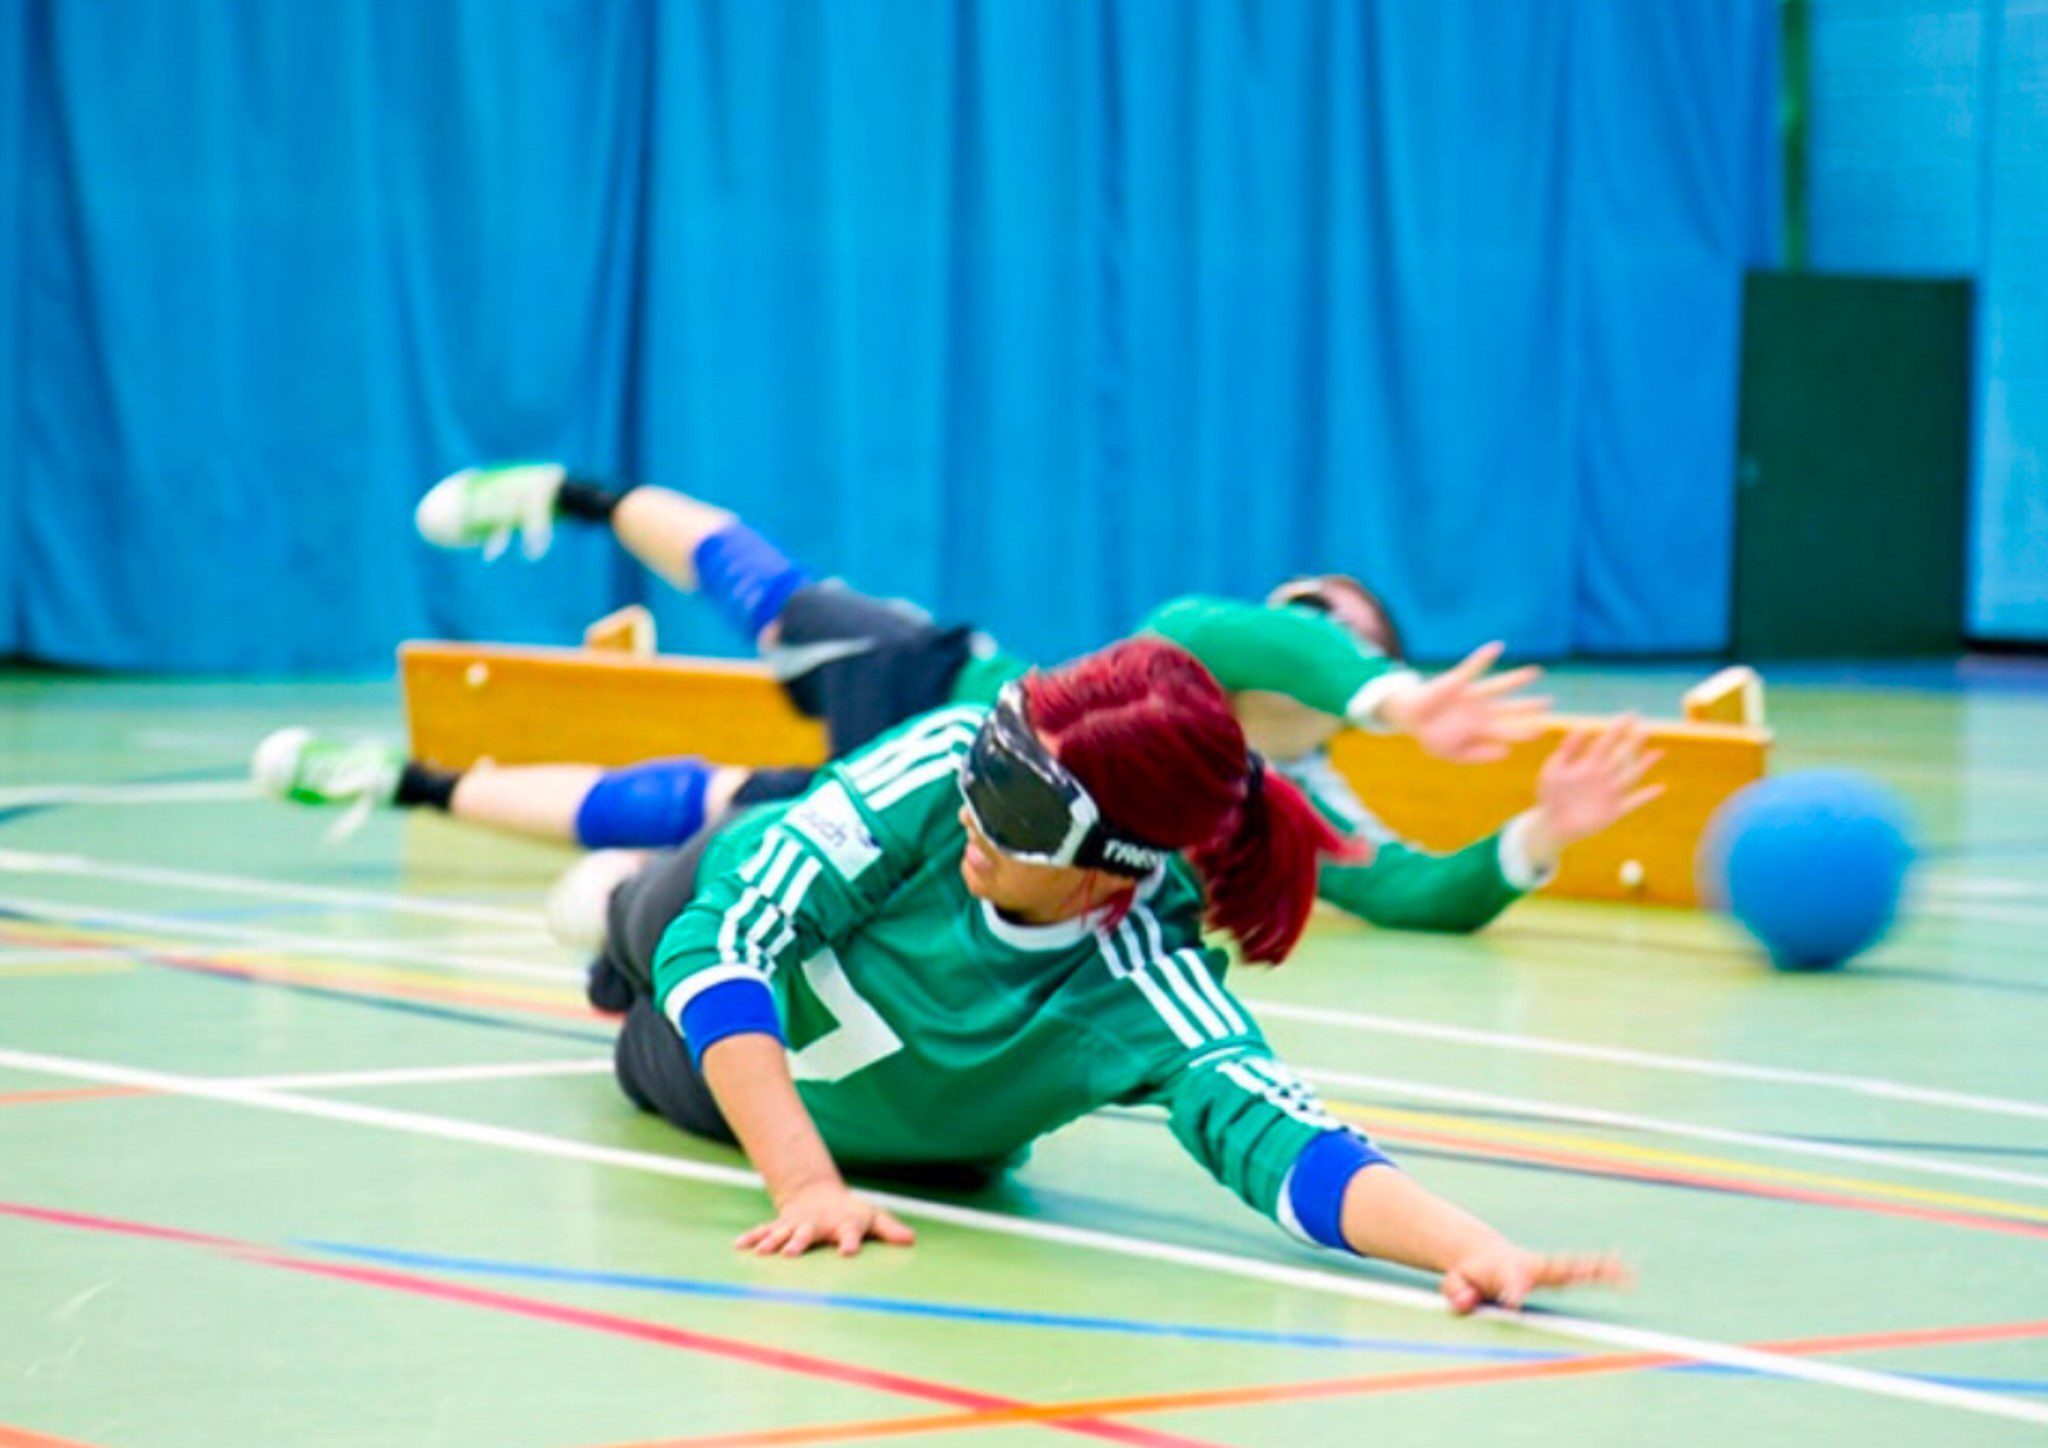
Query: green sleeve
pixel 1246 1118
pixel 1306 656
pixel 1405 888
pixel 825 864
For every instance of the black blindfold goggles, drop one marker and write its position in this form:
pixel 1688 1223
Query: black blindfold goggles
pixel 1027 805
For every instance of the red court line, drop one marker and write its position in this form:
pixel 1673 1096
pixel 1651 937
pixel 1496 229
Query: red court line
pixel 339 981
pixel 1347 1387
pixel 732 1349
pixel 1910 1337
pixel 1477 1145
pixel 85 1221
pixel 69 1093
pixel 12 1437
pixel 1588 1165
pixel 341 984
pixel 1250 1396
pixel 1603 1166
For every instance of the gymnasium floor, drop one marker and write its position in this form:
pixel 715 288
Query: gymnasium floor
pixel 306 1144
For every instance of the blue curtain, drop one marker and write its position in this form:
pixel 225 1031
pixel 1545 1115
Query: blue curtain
pixel 15 110
pixel 1037 313
pixel 2009 576
pixel 1930 157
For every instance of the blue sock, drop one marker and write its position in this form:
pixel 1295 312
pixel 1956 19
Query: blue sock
pixel 656 805
pixel 749 578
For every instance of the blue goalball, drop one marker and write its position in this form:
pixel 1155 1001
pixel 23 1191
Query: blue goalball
pixel 1811 864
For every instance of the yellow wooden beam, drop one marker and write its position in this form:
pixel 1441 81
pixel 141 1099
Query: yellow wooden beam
pixel 1733 696
pixel 1647 857
pixel 465 702
pixel 517 705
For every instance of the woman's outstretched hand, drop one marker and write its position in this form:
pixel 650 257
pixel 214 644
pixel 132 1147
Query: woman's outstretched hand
pixel 1506 1274
pixel 827 1214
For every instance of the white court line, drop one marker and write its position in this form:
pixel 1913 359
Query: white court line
pixel 423 1075
pixel 1874 1087
pixel 1613 1055
pixel 1551 1324
pixel 1981 887
pixel 1990 913
pixel 27 862
pixel 193 792
pixel 1661 1126
pixel 271 942
pixel 250 941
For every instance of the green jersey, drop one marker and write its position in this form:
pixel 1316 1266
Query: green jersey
pixel 988 668
pixel 923 1026
pixel 1315 661
pixel 1296 652
pixel 1306 656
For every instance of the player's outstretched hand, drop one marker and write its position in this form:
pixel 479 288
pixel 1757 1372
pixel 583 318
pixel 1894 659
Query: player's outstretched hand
pixel 1506 1274
pixel 824 1215
pixel 1593 779
pixel 1466 716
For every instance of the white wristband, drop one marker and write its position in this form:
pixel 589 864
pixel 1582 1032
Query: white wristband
pixel 1516 864
pixel 1364 708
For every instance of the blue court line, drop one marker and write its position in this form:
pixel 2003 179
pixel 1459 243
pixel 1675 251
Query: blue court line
pixel 1007 1317
pixel 908 1307
pixel 385 1003
pixel 1931 976
pixel 373 1002
pixel 229 973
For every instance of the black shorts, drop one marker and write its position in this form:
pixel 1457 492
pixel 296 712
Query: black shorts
pixel 651 1062
pixel 863 665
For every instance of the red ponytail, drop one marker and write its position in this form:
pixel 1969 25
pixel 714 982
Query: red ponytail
pixel 1150 734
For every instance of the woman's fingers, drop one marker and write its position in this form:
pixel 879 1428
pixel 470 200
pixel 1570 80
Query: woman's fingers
pixel 1572 748
pixel 1461 1294
pixel 1507 683
pixel 1640 798
pixel 1579 1268
pixel 1473 664
pixel 887 1229
pixel 1630 769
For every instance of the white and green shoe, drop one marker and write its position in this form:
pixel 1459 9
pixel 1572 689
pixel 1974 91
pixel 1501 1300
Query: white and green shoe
pixel 299 765
pixel 483 508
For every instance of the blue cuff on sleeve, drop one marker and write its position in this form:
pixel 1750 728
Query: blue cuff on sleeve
pixel 730 1008
pixel 1315 1188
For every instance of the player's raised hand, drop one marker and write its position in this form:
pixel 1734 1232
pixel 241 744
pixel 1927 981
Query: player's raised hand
pixel 1593 779
pixel 1467 716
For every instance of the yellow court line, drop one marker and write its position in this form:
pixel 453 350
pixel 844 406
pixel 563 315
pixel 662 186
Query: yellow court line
pixel 1486 1132
pixel 286 963
pixel 351 971
pixel 64 967
pixel 1481 1131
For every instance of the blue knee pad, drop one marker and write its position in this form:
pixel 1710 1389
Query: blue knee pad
pixel 749 578
pixel 654 805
